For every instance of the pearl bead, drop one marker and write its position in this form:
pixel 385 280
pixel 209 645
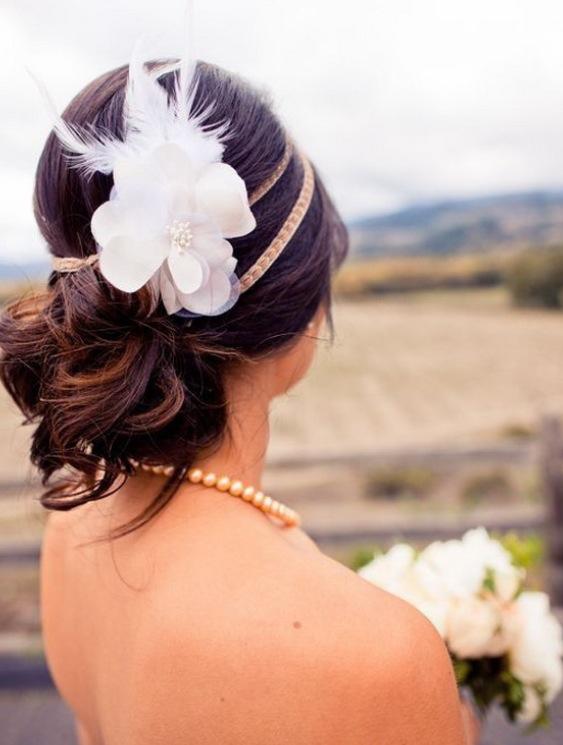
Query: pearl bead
pixel 248 494
pixel 210 479
pixel 195 475
pixel 236 488
pixel 223 484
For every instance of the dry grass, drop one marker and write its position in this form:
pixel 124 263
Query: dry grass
pixel 11 289
pixel 411 273
pixel 405 373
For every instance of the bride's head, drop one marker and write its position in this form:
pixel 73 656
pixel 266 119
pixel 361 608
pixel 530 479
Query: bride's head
pixel 110 376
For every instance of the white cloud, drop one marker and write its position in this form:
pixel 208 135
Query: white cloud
pixel 396 100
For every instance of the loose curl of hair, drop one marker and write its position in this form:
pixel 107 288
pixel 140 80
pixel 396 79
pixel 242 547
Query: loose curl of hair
pixel 108 376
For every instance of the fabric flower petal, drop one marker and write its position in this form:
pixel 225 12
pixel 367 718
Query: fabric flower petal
pixel 230 265
pixel 214 249
pixel 129 264
pixel 221 194
pixel 180 201
pixel 168 293
pixel 210 298
pixel 142 218
pixel 106 223
pixel 204 265
pixel 147 217
pixel 134 174
pixel 174 165
pixel 186 270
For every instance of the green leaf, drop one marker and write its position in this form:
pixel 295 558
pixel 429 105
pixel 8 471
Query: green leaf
pixel 462 668
pixel 489 583
pixel 526 551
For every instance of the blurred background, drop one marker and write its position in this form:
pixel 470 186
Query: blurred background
pixel 436 125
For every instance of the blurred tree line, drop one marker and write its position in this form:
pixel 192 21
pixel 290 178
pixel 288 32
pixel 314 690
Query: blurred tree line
pixel 535 278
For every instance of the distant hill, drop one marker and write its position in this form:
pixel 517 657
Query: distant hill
pixel 23 271
pixel 501 222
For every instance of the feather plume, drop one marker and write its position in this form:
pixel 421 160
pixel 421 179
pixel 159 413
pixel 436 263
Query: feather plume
pixel 150 117
pixel 89 149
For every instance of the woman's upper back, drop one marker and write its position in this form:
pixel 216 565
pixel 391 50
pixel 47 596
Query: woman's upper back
pixel 211 625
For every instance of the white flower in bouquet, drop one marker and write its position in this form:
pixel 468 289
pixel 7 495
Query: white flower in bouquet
pixel 506 645
pixel 476 577
pixel 390 570
pixel 536 650
pixel 460 568
pixel 474 628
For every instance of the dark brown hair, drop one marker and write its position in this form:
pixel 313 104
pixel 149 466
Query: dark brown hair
pixel 105 375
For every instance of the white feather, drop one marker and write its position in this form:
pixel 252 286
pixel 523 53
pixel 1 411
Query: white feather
pixel 150 118
pixel 90 150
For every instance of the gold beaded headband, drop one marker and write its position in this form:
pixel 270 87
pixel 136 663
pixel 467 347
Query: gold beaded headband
pixel 67 265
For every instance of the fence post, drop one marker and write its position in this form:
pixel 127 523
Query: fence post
pixel 551 460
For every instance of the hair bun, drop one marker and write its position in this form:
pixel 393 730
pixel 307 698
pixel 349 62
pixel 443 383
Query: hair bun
pixel 100 376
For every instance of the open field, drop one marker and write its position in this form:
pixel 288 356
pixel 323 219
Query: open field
pixel 422 369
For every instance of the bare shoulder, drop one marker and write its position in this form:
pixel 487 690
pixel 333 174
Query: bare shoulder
pixel 398 683
pixel 405 660
pixel 308 652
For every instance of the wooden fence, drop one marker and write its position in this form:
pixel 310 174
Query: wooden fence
pixel 551 460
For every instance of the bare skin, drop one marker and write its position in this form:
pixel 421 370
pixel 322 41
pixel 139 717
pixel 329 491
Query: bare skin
pixel 214 625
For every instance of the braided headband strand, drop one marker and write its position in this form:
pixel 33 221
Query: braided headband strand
pixel 286 232
pixel 66 265
pixel 273 179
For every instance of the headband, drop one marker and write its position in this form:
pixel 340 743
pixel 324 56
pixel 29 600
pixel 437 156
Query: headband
pixel 174 204
pixel 67 265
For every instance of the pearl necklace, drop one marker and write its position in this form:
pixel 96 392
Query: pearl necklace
pixel 234 487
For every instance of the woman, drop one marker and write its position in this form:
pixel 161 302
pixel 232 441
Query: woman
pixel 179 603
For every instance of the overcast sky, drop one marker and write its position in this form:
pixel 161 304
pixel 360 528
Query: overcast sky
pixel 396 100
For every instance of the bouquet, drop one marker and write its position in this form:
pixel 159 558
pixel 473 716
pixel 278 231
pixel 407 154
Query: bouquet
pixel 506 645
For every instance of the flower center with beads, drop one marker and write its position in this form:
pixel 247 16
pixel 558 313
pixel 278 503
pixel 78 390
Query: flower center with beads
pixel 181 236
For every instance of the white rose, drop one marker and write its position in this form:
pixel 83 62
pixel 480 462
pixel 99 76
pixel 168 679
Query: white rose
pixel 491 555
pixel 458 569
pixel 389 570
pixel 507 583
pixel 446 569
pixel 474 628
pixel 537 645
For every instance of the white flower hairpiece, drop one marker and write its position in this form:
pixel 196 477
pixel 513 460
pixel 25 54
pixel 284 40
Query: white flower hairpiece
pixel 174 204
